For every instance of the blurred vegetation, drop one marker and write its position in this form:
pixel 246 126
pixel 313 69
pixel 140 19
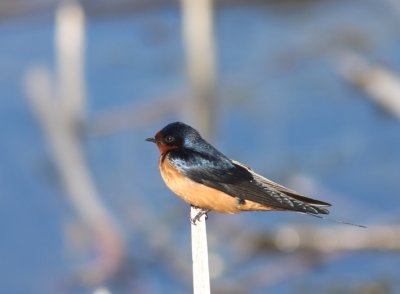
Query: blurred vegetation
pixel 306 93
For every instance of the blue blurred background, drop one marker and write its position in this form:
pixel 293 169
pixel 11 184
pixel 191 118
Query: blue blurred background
pixel 83 208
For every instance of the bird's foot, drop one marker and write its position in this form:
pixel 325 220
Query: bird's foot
pixel 197 217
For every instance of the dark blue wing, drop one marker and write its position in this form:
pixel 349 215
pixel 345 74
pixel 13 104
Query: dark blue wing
pixel 203 167
pixel 234 179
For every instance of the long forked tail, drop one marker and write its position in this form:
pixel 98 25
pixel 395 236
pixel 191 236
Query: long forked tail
pixel 335 220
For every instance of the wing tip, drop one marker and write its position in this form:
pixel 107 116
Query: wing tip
pixel 322 204
pixel 312 209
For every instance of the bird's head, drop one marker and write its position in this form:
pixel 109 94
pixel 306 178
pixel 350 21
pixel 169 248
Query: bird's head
pixel 174 136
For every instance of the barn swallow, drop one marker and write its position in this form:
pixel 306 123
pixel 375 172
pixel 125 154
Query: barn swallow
pixel 204 177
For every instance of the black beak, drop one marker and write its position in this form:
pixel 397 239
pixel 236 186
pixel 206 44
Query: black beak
pixel 151 140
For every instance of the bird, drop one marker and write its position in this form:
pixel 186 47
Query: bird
pixel 205 178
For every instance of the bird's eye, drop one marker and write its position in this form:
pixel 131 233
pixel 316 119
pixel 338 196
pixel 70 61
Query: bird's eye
pixel 169 139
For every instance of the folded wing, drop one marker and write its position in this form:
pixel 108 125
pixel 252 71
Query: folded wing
pixel 236 180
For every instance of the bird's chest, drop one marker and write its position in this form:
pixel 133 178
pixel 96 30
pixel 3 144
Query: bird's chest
pixel 195 193
pixel 178 183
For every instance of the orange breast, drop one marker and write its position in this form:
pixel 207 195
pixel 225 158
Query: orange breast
pixel 203 196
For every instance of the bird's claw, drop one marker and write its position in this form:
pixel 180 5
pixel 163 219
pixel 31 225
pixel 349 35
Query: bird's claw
pixel 197 217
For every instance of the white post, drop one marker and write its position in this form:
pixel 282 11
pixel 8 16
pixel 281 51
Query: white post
pixel 201 275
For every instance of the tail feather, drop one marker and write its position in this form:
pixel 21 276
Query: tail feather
pixel 291 199
pixel 336 220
